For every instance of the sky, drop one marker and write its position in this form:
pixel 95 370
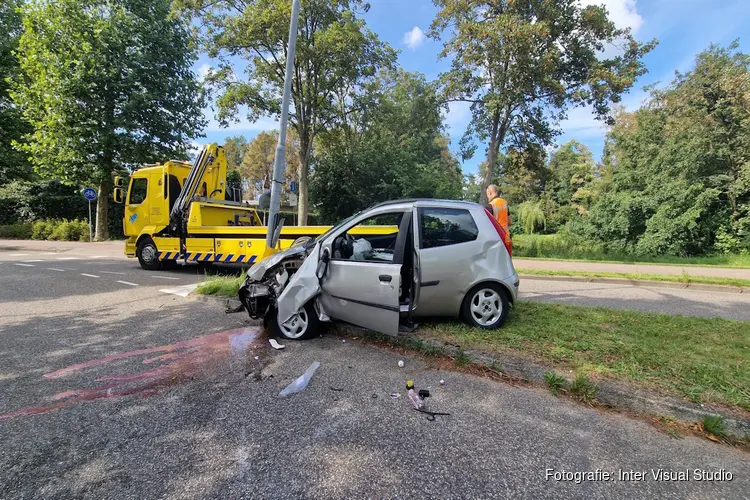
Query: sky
pixel 683 28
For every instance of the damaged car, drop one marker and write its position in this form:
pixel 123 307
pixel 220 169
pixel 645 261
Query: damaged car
pixel 433 258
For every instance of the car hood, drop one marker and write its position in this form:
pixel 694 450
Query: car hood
pixel 259 270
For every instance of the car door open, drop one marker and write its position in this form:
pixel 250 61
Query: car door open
pixel 362 283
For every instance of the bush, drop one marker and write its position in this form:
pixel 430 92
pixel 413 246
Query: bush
pixel 21 231
pixel 62 230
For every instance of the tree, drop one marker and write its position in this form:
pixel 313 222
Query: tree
pixel 571 175
pixel 334 50
pixel 234 149
pixel 389 144
pixel 13 164
pixel 679 166
pixel 257 162
pixel 106 84
pixel 521 65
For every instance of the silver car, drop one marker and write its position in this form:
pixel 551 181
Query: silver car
pixel 431 258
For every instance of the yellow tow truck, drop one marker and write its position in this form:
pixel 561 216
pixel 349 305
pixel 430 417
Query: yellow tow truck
pixel 179 213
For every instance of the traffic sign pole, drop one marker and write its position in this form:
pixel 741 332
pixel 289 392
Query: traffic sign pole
pixel 90 195
pixel 91 237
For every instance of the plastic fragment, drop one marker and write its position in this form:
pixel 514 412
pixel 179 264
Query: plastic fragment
pixel 400 363
pixel 275 344
pixel 395 395
pixel 300 384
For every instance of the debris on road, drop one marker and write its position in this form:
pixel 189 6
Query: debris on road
pixel 395 395
pixel 300 384
pixel 400 363
pixel 413 397
pixel 275 344
pixel 431 414
pixel 442 382
pixel 337 389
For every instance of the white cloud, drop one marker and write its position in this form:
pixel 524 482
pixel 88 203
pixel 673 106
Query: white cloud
pixel 243 125
pixel 582 124
pixel 414 38
pixel 203 70
pixel 623 13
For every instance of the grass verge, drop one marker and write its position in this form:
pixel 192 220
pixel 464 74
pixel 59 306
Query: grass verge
pixel 676 278
pixel 222 286
pixel 563 247
pixel 704 359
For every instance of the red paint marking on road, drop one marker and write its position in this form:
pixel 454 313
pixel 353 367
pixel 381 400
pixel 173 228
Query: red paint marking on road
pixel 180 361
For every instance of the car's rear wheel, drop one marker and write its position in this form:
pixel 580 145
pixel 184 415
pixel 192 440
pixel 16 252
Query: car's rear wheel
pixel 486 306
pixel 148 255
pixel 302 326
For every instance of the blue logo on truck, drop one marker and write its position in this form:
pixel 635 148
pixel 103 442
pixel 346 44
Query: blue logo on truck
pixel 133 218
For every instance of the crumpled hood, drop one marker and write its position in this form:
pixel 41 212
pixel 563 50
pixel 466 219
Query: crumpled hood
pixel 302 286
pixel 257 272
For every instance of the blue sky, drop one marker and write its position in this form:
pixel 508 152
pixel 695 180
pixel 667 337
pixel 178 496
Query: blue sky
pixel 682 27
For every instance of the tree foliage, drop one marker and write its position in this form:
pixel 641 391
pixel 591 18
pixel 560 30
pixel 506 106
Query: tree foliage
pixel 334 51
pixel 106 84
pixel 257 162
pixel 521 65
pixel 390 146
pixel 13 163
pixel 680 182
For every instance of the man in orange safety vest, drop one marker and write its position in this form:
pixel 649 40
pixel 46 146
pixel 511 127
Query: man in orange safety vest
pixel 499 208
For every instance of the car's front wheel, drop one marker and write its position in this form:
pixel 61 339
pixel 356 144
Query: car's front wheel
pixel 486 306
pixel 302 326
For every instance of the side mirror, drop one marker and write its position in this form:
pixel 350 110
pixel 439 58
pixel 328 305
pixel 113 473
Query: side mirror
pixel 117 195
pixel 320 272
pixel 119 181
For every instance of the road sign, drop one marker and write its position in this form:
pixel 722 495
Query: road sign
pixel 293 186
pixel 89 194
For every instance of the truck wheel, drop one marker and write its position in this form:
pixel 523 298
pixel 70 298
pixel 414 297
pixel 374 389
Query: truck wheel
pixel 302 326
pixel 148 255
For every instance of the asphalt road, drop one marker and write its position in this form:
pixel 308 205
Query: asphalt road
pixel 112 390
pixel 684 301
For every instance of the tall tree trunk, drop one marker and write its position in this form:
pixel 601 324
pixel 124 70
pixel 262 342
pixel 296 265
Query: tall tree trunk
pixel 102 209
pixel 497 137
pixel 302 202
pixel 305 150
pixel 491 155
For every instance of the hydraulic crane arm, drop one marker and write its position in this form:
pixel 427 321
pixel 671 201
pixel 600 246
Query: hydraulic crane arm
pixel 192 183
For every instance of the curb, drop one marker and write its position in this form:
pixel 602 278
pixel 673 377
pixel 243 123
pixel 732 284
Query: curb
pixel 651 283
pixel 617 395
pixel 610 393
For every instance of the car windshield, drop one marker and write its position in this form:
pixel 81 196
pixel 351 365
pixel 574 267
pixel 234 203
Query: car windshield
pixel 334 228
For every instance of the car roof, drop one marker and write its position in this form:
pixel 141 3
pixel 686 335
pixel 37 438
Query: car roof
pixel 427 202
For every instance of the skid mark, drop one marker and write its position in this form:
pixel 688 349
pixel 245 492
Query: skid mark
pixel 169 364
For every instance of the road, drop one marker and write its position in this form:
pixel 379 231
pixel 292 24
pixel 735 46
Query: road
pixel 648 298
pixel 109 389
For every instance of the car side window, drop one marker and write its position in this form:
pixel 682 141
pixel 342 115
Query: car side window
pixel 446 226
pixel 138 190
pixel 371 240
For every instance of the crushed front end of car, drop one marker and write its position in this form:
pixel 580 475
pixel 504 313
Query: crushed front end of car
pixel 267 279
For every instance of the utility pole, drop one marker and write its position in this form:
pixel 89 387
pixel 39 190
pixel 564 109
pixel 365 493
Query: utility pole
pixel 280 158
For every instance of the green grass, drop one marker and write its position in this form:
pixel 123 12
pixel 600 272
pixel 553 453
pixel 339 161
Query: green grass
pixel 583 388
pixel 562 247
pixel 223 286
pixel 673 278
pixel 715 425
pixel 707 359
pixel 555 382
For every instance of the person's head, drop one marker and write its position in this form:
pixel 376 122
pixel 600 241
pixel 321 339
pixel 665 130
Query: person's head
pixel 492 191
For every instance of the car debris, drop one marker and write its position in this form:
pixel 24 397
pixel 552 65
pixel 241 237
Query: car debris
pixel 275 344
pixel 400 363
pixel 300 383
